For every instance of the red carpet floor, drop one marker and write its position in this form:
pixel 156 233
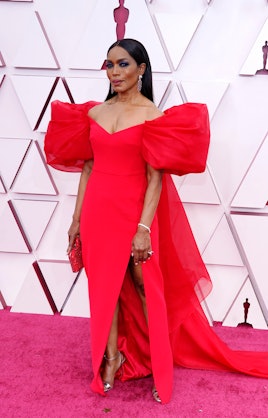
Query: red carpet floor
pixel 45 372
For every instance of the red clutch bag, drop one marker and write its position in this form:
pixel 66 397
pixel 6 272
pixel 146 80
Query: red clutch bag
pixel 75 255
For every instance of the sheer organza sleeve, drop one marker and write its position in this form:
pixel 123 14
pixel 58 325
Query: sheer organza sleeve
pixel 178 141
pixel 67 143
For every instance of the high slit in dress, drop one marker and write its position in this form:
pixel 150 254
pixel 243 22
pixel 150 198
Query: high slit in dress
pixel 175 278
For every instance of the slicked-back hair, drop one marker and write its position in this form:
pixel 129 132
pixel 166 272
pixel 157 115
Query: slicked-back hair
pixel 138 52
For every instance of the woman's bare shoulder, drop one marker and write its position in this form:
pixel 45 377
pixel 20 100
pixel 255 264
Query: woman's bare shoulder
pixel 152 111
pixel 94 111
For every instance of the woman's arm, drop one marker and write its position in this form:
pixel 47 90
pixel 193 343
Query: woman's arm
pixel 75 225
pixel 141 242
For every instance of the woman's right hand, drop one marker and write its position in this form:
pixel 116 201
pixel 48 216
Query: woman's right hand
pixel 74 230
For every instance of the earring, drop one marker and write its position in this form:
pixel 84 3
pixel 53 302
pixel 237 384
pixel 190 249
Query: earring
pixel 112 90
pixel 139 83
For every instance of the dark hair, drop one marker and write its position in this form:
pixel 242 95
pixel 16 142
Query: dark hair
pixel 138 52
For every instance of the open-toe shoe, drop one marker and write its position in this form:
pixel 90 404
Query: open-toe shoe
pixel 109 385
pixel 156 395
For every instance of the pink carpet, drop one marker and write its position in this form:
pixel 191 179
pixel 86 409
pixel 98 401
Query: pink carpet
pixel 45 372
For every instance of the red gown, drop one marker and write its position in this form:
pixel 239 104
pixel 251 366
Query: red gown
pixel 175 278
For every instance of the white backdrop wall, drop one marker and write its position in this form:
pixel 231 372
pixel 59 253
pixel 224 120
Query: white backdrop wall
pixel 204 51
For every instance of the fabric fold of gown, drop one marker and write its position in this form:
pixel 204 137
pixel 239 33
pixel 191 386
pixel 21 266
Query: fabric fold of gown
pixel 175 278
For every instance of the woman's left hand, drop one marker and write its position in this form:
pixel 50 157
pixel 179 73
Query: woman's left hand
pixel 141 247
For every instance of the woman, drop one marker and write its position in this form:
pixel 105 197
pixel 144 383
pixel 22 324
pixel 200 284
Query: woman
pixel 146 277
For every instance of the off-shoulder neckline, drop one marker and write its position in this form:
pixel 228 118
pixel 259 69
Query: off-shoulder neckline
pixel 116 132
pixel 129 127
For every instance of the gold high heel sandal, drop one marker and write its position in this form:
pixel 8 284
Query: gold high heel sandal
pixel 106 385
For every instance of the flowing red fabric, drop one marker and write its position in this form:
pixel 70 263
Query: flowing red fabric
pixel 66 144
pixel 175 278
pixel 178 144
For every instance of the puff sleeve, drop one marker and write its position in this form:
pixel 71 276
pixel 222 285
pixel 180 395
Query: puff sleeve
pixel 178 141
pixel 67 143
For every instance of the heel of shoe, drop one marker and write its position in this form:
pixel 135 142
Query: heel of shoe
pixel 119 372
pixel 156 395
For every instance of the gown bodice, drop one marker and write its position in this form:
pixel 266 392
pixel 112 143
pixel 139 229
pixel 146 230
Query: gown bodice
pixel 118 153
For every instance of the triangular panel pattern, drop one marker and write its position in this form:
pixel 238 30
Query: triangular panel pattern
pixel 253 234
pixel 33 104
pixel 2 62
pixel 174 97
pixel 181 26
pixel 31 297
pixel 2 187
pixel 84 89
pixel 222 248
pixel 12 237
pixel 10 106
pixel 12 152
pixel 59 278
pixel 178 181
pixel 237 131
pixel 34 216
pixel 203 220
pixel 159 88
pixel 2 77
pixel 66 183
pixel 36 50
pixel 14 269
pixel 79 292
pixel 86 55
pixel 253 191
pixel 33 176
pixel 227 283
pixel 207 312
pixel 199 188
pixel 3 303
pixel 209 92
pixel 236 314
pixel 54 243
pixel 60 93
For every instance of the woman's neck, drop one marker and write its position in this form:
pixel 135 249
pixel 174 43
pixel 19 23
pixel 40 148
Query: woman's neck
pixel 129 97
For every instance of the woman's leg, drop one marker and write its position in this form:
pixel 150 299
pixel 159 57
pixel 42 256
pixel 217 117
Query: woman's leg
pixel 111 348
pixel 113 359
pixel 136 274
